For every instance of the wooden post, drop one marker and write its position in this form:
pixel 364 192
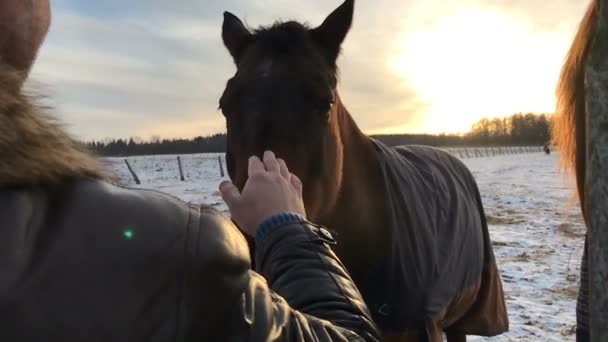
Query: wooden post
pixel 596 91
pixel 132 173
pixel 219 159
pixel 181 171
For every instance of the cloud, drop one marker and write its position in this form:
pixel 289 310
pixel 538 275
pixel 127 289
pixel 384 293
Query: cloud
pixel 144 67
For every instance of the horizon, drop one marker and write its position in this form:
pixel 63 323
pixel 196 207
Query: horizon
pixel 147 69
pixel 156 137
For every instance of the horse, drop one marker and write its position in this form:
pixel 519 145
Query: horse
pixel 408 221
pixel 569 133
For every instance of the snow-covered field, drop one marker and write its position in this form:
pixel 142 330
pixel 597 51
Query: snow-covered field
pixel 534 223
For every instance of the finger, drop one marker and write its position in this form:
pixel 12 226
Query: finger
pixel 255 166
pixel 296 183
pixel 284 170
pixel 271 163
pixel 230 193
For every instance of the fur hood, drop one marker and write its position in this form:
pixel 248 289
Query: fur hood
pixel 34 148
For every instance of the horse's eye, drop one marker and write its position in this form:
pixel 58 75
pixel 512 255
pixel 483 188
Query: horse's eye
pixel 325 110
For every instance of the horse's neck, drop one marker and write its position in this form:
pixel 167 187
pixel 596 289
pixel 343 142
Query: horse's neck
pixel 359 216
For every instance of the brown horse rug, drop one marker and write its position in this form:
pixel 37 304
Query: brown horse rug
pixel 440 252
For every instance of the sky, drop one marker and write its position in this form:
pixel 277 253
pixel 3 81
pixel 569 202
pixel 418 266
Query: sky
pixel 144 68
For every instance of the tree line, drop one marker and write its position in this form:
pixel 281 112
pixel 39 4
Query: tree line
pixel 517 129
pixel 118 147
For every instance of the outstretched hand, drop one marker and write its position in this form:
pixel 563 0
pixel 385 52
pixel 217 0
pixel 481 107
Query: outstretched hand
pixel 270 189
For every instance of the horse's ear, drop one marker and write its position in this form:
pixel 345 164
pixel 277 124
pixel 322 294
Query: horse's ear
pixel 332 32
pixel 235 35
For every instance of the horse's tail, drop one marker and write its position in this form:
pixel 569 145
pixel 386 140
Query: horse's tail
pixel 569 126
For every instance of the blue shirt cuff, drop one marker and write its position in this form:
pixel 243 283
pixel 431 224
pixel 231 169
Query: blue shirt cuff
pixel 276 221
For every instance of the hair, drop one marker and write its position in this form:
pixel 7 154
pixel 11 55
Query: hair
pixel 280 36
pixel 569 127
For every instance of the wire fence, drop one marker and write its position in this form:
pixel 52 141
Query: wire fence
pixel 184 167
pixel 491 151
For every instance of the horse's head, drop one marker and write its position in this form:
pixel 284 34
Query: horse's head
pixel 283 98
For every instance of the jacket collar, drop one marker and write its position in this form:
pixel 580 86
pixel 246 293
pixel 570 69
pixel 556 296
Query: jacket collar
pixel 34 148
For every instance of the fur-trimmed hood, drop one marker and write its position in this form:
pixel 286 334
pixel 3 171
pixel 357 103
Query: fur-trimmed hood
pixel 34 149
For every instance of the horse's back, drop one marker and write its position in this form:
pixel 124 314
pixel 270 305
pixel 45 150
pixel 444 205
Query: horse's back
pixel 440 238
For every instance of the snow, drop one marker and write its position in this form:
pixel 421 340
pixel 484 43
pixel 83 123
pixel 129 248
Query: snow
pixel 201 176
pixel 535 226
pixel 538 237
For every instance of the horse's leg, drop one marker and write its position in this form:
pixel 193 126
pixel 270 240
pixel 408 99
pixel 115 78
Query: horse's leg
pixel 455 336
pixel 434 333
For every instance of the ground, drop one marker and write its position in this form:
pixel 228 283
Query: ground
pixel 535 226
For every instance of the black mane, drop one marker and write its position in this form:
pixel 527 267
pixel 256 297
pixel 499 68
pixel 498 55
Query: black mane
pixel 283 37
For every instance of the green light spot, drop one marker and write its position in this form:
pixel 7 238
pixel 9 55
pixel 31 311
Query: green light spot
pixel 128 234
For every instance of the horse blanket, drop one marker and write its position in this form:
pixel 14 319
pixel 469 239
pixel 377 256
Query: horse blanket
pixel 440 245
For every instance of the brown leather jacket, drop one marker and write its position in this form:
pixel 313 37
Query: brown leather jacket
pixel 84 260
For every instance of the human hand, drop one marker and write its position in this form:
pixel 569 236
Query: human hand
pixel 270 189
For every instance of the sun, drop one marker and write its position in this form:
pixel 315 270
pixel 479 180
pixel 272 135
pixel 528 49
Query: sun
pixel 476 63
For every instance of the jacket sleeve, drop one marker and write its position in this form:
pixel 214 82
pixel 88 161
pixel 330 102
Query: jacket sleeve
pixel 314 298
pixel 300 292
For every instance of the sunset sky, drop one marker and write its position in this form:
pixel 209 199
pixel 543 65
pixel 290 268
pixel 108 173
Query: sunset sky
pixel 118 68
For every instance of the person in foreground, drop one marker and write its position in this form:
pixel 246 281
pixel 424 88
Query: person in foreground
pixel 82 259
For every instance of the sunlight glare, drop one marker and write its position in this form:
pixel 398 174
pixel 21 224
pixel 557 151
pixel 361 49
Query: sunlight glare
pixel 477 63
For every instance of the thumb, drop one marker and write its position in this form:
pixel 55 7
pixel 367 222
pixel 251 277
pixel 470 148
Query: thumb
pixel 230 194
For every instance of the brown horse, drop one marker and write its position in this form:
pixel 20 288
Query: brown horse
pixel 569 134
pixel 409 221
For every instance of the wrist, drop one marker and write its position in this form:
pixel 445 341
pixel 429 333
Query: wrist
pixel 267 226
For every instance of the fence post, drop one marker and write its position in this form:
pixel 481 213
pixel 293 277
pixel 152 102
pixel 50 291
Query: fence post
pixel 219 159
pixel 181 172
pixel 596 91
pixel 132 173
